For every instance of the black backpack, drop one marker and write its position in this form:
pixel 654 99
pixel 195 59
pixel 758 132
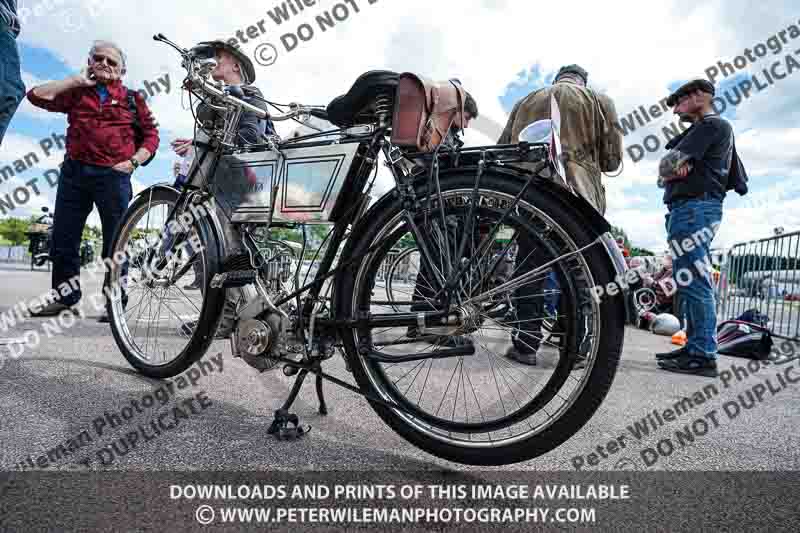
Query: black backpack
pixel 138 132
pixel 737 175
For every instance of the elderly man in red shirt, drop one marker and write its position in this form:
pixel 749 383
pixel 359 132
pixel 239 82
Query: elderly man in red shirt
pixel 106 141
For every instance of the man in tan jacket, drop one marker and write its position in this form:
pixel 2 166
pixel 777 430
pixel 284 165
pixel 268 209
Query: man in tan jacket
pixel 590 146
pixel 590 143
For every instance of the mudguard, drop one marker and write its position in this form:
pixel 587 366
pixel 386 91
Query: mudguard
pixel 590 218
pixel 212 214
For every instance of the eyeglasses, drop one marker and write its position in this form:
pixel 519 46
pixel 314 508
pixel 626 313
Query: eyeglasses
pixel 97 58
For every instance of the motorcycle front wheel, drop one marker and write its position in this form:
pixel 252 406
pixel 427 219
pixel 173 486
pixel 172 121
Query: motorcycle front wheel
pixel 484 408
pixel 162 310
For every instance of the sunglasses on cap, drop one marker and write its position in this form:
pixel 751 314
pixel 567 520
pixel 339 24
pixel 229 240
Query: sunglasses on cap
pixel 97 58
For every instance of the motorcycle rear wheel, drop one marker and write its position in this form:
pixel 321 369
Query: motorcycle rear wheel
pixel 556 406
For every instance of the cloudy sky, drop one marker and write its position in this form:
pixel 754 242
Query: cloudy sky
pixel 500 49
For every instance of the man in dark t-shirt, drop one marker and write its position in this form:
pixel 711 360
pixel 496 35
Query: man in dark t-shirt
pixel 694 174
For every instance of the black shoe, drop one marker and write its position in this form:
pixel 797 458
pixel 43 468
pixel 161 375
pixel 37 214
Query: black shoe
pixel 187 328
pixel 661 356
pixel 53 309
pixel 103 318
pixel 524 357
pixel 691 364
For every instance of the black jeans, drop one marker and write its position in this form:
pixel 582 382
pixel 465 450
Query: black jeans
pixel 530 298
pixel 80 187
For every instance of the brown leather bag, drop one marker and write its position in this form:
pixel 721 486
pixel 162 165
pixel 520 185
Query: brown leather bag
pixel 424 111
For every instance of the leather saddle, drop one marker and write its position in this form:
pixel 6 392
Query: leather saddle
pixel 423 113
pixel 356 107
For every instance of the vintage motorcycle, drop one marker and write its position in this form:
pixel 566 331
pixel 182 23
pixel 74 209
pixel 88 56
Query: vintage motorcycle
pixel 40 236
pixel 447 389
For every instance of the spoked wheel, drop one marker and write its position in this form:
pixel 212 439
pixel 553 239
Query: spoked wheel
pixel 401 278
pixel 165 315
pixel 484 408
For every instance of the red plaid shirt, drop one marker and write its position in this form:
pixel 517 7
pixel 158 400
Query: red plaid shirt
pixel 101 134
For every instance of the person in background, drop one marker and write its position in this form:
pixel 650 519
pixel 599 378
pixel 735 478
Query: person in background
pixel 591 145
pixel 234 68
pixel 695 174
pixel 102 153
pixel 12 89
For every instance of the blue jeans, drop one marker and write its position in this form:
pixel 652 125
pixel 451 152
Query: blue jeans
pixel 552 289
pixel 691 226
pixel 12 90
pixel 80 186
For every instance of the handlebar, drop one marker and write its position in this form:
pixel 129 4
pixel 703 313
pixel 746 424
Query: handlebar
pixel 296 109
pixel 229 99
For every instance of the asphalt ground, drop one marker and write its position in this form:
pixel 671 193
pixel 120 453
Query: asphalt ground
pixel 55 391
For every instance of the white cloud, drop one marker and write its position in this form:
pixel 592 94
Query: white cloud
pixel 631 52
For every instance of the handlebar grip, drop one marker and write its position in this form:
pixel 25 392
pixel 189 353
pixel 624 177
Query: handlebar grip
pixel 319 113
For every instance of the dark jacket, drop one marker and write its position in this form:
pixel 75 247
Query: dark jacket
pixel 251 128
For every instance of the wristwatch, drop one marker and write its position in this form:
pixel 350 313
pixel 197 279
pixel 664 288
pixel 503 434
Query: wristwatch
pixel 134 162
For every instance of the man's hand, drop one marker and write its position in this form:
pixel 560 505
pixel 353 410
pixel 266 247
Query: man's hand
pixel 674 165
pixel 83 79
pixel 125 166
pixel 181 146
pixel 51 89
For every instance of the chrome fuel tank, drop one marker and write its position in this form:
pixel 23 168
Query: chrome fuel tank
pixel 309 182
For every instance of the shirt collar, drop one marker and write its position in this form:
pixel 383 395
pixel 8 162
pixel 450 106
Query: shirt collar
pixel 116 90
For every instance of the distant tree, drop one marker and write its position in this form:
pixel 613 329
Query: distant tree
pixel 620 233
pixel 92 233
pixel 13 230
pixel 640 251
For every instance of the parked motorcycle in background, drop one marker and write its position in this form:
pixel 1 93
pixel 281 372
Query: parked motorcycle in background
pixel 40 235
pixel 87 252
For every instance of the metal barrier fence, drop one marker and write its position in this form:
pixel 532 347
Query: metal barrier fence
pixel 14 254
pixel 763 275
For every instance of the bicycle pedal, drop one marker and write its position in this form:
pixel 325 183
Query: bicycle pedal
pixel 235 278
pixel 286 426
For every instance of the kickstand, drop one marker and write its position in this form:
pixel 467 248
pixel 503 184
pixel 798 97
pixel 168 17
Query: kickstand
pixel 280 425
pixel 298 383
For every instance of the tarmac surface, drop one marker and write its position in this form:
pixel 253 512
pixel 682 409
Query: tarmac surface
pixel 53 392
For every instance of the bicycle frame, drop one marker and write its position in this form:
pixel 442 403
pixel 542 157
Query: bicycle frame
pixel 374 144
